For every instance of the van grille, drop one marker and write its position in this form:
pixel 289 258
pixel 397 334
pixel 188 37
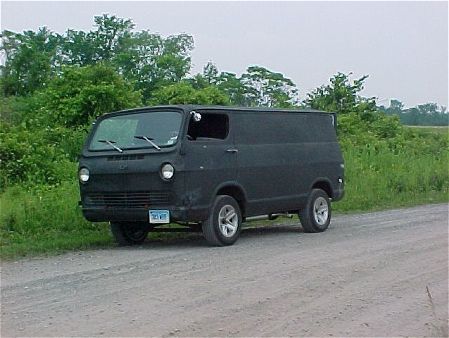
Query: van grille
pixel 142 199
pixel 125 157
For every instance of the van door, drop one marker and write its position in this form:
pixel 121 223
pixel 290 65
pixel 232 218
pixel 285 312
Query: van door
pixel 210 157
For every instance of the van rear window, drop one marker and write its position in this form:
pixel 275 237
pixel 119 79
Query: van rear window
pixel 211 126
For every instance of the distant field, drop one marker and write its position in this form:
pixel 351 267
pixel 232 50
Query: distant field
pixel 434 129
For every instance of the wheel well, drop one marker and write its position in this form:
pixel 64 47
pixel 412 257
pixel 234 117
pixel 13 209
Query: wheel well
pixel 237 194
pixel 323 185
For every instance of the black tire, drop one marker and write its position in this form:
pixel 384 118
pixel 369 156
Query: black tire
pixel 196 227
pixel 129 233
pixel 315 219
pixel 211 227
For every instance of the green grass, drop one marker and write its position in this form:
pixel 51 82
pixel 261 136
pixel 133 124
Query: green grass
pixel 380 174
pixel 383 180
pixel 46 221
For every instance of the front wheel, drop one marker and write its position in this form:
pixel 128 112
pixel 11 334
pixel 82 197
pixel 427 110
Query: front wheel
pixel 129 233
pixel 316 216
pixel 224 223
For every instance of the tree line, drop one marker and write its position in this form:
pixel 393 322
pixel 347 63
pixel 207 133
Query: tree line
pixel 428 114
pixel 55 85
pixel 157 67
pixel 152 69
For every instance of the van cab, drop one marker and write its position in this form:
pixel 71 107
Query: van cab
pixel 209 168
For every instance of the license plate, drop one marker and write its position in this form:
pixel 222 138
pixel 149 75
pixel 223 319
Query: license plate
pixel 159 216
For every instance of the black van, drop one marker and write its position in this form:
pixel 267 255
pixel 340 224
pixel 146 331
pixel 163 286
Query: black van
pixel 209 168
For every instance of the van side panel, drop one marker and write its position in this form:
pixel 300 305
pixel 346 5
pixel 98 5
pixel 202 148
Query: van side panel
pixel 281 155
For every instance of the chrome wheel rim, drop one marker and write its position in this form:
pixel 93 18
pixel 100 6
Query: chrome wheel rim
pixel 320 211
pixel 228 221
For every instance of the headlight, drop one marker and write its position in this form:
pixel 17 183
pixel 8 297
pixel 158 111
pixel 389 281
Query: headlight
pixel 84 175
pixel 167 171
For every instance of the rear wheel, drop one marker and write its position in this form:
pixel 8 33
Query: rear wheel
pixel 129 233
pixel 224 223
pixel 316 216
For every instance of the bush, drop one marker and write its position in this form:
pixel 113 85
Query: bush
pixel 36 157
pixel 43 134
pixel 390 165
pixel 380 177
pixel 80 95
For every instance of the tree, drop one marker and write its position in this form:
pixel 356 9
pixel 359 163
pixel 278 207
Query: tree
pixel 78 48
pixel 153 62
pixel 396 106
pixel 210 73
pixel 424 114
pixel 31 59
pixel 230 84
pixel 268 89
pixel 185 93
pixel 110 33
pixel 100 45
pixel 148 60
pixel 341 96
pixel 257 87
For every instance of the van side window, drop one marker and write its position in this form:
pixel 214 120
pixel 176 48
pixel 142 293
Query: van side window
pixel 210 127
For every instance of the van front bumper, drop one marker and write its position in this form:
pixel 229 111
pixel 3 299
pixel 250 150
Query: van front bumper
pixel 177 214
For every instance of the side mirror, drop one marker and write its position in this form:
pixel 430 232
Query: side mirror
pixel 196 116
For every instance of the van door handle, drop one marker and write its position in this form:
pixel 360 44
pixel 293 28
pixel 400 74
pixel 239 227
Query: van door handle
pixel 232 150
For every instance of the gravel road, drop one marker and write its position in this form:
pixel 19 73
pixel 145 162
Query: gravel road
pixel 374 274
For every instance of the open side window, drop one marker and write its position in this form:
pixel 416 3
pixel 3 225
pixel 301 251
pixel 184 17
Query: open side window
pixel 210 127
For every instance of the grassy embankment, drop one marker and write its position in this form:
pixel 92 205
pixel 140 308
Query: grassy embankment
pixel 48 220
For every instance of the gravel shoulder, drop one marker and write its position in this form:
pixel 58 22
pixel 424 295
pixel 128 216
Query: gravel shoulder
pixel 373 274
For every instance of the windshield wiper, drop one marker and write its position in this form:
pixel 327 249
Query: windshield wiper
pixel 149 140
pixel 111 143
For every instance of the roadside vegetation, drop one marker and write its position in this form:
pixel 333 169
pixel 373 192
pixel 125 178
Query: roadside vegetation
pixel 54 86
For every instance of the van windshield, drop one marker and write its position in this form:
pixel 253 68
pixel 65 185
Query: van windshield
pixel 137 130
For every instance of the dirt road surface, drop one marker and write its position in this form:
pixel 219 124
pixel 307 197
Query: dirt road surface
pixel 374 274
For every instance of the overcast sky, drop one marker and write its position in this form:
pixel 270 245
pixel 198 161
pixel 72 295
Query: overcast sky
pixel 402 46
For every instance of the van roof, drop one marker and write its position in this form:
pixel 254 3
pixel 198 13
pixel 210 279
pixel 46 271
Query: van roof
pixel 190 107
